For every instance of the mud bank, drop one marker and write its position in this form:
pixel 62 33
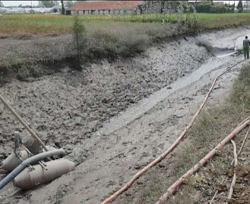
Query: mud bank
pixel 68 108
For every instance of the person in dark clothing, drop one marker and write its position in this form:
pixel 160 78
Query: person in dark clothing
pixel 246 44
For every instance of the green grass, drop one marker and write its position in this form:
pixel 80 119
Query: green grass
pixel 216 21
pixel 14 24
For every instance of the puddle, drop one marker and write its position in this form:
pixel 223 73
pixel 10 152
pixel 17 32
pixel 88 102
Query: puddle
pixel 221 53
pixel 145 105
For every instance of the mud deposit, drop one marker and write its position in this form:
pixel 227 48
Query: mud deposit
pixel 67 109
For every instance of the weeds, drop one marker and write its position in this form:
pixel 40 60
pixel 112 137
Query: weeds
pixel 187 19
pixel 209 129
pixel 241 92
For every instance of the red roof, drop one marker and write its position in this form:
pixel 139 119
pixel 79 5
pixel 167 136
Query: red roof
pixel 104 5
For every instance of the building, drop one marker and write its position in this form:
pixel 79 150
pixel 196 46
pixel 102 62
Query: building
pixel 122 7
pixel 104 7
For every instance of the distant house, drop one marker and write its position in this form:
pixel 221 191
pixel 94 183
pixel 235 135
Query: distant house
pixel 104 7
pixel 122 7
pixel 56 9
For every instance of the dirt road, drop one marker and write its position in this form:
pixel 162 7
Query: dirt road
pixel 73 109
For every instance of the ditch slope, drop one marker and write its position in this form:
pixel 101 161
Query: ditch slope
pixel 69 109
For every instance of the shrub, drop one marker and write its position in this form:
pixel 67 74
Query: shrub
pixel 187 18
pixel 79 38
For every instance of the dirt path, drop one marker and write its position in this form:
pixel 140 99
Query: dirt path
pixel 69 109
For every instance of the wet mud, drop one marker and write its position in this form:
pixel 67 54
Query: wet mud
pixel 78 111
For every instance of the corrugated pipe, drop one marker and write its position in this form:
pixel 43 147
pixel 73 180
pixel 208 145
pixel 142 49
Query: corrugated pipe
pixel 26 162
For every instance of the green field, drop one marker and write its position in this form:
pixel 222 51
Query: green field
pixel 16 24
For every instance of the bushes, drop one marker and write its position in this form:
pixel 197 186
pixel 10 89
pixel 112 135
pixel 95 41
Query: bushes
pixel 187 19
pixel 214 8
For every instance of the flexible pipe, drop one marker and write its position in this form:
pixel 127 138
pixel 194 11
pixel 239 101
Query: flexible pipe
pixel 238 154
pixel 234 177
pixel 23 123
pixel 26 162
pixel 136 176
pixel 201 163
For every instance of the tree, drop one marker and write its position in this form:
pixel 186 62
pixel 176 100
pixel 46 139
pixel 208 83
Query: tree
pixel 69 3
pixel 1 4
pixel 47 4
pixel 240 6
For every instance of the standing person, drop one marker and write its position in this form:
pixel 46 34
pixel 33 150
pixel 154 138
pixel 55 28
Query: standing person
pixel 246 43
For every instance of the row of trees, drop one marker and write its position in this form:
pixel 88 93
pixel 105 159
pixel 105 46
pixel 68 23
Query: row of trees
pixel 51 3
pixel 209 7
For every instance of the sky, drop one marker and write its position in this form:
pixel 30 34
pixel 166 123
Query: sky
pixel 35 3
pixel 17 3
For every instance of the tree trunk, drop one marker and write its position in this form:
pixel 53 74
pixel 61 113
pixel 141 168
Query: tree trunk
pixel 63 9
pixel 162 6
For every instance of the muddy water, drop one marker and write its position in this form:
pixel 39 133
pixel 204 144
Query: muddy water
pixel 69 108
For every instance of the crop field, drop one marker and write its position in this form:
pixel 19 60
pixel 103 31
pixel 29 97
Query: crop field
pixel 18 24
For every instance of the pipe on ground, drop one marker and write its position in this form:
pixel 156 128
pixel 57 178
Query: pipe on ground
pixel 163 199
pixel 26 162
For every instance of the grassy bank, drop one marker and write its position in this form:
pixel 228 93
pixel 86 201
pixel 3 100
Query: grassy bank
pixel 107 37
pixel 14 24
pixel 211 128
